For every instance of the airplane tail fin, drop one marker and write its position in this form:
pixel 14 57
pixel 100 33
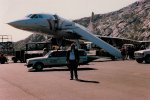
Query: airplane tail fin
pixel 91 25
pixel 92 17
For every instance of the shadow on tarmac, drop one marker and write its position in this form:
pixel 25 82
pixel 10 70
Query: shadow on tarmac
pixel 87 81
pixel 105 60
pixel 60 69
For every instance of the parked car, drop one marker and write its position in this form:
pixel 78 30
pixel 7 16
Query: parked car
pixel 142 55
pixel 53 58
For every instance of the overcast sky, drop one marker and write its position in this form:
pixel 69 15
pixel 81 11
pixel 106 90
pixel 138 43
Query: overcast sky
pixel 11 10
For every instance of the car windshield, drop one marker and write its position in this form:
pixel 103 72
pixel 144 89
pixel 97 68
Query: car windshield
pixel 48 54
pixel 59 54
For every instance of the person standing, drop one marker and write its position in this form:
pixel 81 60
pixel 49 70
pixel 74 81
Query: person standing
pixel 72 61
pixel 123 53
pixel 45 51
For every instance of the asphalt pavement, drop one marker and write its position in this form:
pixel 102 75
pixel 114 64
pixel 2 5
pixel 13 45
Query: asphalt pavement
pixel 101 79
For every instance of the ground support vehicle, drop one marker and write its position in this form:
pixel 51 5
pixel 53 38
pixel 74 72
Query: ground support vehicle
pixel 33 49
pixel 142 55
pixel 18 56
pixel 3 59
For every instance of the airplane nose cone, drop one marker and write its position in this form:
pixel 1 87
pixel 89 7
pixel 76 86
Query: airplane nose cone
pixel 11 23
pixel 20 24
pixel 15 24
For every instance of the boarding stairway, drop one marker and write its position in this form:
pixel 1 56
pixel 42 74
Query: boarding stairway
pixel 86 34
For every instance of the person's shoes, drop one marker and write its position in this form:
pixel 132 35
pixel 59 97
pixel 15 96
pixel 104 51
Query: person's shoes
pixel 71 79
pixel 76 78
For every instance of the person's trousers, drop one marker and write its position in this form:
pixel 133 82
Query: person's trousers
pixel 73 66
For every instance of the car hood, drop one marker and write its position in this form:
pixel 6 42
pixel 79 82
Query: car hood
pixel 37 58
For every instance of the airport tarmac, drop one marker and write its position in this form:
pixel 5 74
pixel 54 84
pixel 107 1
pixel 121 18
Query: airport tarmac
pixel 99 80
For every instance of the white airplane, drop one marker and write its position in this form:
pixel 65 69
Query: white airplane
pixel 61 28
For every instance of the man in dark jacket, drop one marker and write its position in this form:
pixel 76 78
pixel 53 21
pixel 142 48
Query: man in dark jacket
pixel 72 61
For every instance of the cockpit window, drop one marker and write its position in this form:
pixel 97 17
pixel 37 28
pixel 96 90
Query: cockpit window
pixel 29 15
pixel 35 16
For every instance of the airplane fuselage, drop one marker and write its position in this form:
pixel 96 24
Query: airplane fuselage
pixel 46 24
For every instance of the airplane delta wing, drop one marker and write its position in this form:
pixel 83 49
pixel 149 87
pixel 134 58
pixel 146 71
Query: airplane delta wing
pixel 82 31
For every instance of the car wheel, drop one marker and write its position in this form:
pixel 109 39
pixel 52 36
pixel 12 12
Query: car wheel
pixel 147 59
pixel 38 67
pixel 14 59
pixel 139 60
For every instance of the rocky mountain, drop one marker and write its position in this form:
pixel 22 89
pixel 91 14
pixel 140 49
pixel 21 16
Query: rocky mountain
pixel 131 22
pixel 20 45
